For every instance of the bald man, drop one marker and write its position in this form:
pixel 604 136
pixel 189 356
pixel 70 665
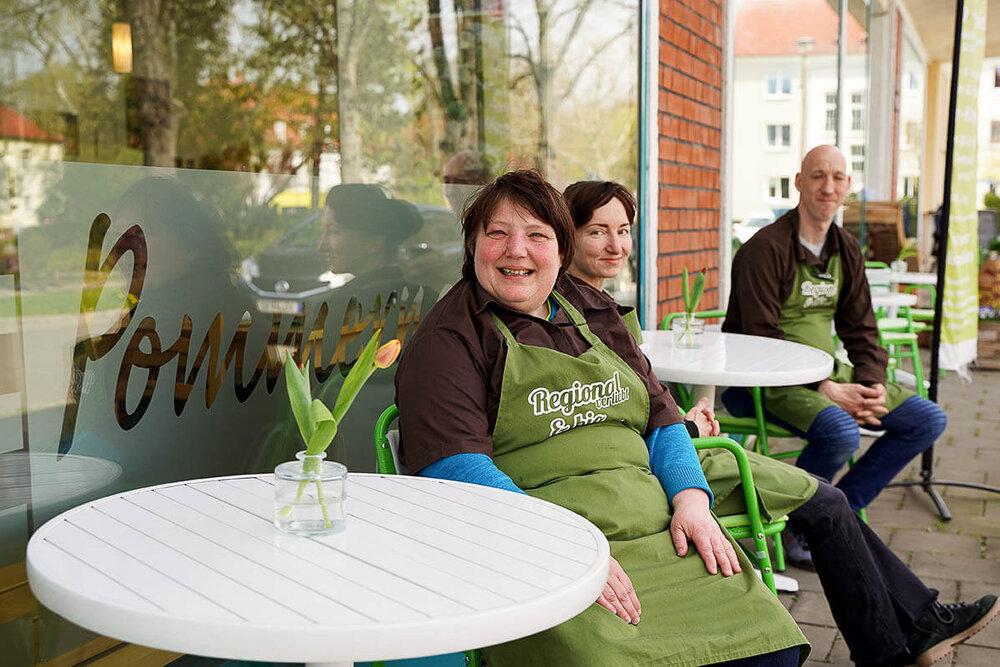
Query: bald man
pixel 798 279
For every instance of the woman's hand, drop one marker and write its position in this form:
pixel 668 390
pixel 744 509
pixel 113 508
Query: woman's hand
pixel 693 522
pixel 704 419
pixel 618 595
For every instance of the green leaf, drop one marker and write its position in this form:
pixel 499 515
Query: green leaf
pixel 299 395
pixel 320 413
pixel 696 289
pixel 325 428
pixel 356 379
pixel 684 290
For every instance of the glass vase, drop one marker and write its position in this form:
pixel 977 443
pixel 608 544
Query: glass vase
pixel 310 495
pixel 688 332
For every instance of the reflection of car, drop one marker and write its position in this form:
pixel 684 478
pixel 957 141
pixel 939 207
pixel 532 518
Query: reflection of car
pixel 293 269
pixel 750 224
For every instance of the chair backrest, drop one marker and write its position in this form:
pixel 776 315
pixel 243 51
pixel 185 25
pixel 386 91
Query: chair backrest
pixel 701 315
pixel 387 444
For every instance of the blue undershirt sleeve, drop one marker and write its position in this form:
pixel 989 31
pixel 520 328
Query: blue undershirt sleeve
pixel 674 461
pixel 470 467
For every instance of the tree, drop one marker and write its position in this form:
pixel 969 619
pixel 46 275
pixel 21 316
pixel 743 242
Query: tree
pixel 173 43
pixel 558 24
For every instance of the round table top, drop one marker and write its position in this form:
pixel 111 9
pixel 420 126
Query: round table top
pixel 911 277
pixel 424 567
pixel 893 299
pixel 40 479
pixel 735 360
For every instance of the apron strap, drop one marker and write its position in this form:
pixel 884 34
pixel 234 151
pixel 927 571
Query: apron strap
pixel 575 316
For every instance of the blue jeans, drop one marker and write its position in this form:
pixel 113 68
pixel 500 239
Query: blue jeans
pixel 833 438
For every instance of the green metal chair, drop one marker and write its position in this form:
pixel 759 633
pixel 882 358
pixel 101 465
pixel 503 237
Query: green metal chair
pixel 749 525
pixel 387 463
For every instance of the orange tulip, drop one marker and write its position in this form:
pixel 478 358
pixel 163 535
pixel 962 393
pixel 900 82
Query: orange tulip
pixel 388 353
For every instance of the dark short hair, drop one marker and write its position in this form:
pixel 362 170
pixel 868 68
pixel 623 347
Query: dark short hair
pixel 369 208
pixel 526 189
pixel 585 197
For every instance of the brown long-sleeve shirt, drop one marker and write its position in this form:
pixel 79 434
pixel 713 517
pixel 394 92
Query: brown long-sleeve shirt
pixel 763 276
pixel 450 375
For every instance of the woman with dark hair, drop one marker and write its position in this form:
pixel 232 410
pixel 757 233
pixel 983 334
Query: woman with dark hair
pixel 364 230
pixel 522 378
pixel 603 213
pixel 892 618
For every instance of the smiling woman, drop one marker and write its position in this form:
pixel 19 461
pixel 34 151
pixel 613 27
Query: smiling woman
pixel 524 378
pixel 517 259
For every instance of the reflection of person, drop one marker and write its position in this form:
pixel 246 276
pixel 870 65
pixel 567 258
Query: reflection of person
pixel 364 230
pixel 524 379
pixel 797 279
pixel 365 239
pixel 877 618
pixel 465 172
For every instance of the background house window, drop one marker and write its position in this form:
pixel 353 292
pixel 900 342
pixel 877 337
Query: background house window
pixel 995 132
pixel 996 78
pixel 857 108
pixel 777 187
pixel 858 158
pixel 779 85
pixel 831 112
pixel 779 135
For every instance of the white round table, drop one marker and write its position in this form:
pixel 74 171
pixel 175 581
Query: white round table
pixel 735 360
pixel 424 567
pixel 911 278
pixel 893 301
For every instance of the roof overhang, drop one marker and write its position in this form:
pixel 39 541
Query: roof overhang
pixel 934 23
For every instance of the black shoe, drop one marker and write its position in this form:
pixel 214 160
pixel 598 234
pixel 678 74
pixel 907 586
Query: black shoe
pixel 797 552
pixel 944 625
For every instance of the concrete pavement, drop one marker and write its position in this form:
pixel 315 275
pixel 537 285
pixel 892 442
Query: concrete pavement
pixel 961 558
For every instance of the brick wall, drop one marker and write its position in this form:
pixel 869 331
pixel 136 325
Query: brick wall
pixel 690 124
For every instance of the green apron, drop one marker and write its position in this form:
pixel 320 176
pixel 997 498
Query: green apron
pixel 807 318
pixel 569 431
pixel 631 318
pixel 781 488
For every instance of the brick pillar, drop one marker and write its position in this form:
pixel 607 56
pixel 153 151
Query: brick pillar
pixel 690 142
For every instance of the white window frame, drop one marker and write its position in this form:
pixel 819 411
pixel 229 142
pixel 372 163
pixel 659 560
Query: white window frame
pixel 781 81
pixel 780 143
pixel 779 189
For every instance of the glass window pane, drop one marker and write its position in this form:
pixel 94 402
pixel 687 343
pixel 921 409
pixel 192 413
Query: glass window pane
pixel 802 48
pixel 243 178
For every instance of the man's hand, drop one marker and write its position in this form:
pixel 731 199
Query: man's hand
pixel 865 404
pixel 619 596
pixel 693 522
pixel 703 418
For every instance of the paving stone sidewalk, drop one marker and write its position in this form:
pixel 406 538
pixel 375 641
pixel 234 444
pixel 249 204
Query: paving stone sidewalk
pixel 961 558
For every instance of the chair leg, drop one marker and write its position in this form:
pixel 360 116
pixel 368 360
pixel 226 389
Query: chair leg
pixel 779 552
pixel 918 370
pixel 758 411
pixel 861 512
pixel 764 561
